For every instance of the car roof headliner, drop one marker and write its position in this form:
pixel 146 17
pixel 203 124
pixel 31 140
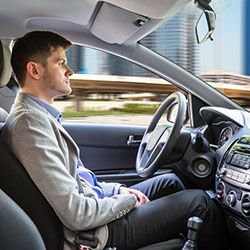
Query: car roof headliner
pixel 120 22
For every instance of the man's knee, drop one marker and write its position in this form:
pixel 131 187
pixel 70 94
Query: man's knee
pixel 198 201
pixel 164 185
pixel 172 180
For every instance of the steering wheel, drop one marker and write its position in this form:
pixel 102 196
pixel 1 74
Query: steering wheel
pixel 159 140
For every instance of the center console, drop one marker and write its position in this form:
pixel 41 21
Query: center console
pixel 233 189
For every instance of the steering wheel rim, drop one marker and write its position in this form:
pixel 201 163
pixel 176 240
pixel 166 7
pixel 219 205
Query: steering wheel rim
pixel 158 141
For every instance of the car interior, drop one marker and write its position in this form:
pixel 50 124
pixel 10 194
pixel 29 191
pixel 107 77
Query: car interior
pixel 211 151
pixel 24 208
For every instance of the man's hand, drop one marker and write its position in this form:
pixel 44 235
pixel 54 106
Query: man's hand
pixel 141 198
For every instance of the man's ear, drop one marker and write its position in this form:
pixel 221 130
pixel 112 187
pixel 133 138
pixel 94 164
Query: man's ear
pixel 33 70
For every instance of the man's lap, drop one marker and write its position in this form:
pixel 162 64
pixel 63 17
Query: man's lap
pixel 159 186
pixel 159 220
pixel 153 188
pixel 163 218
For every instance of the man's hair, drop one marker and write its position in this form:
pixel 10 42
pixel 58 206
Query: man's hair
pixel 35 46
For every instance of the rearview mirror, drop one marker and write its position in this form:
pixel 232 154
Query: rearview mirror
pixel 205 26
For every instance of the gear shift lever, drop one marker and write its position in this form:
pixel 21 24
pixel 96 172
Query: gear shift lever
pixel 194 225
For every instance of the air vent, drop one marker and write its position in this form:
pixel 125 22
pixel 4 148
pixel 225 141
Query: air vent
pixel 245 205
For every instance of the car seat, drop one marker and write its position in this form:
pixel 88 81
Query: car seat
pixel 5 67
pixel 17 231
pixel 16 183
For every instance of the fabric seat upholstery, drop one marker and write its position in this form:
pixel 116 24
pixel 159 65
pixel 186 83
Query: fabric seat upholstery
pixel 16 183
pixel 5 66
pixel 17 231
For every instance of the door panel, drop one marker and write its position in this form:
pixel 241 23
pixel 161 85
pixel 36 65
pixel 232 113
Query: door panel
pixel 104 149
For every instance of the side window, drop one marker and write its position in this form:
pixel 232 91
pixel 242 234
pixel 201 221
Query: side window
pixel 108 89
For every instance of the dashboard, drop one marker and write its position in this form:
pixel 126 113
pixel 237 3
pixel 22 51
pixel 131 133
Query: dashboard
pixel 230 132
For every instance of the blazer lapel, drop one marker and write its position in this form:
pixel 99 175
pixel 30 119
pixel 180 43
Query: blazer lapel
pixel 32 105
pixel 68 137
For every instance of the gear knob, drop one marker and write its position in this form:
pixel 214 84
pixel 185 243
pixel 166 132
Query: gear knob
pixel 194 225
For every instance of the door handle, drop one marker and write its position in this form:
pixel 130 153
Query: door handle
pixel 132 142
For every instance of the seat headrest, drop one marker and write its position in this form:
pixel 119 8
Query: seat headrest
pixel 5 73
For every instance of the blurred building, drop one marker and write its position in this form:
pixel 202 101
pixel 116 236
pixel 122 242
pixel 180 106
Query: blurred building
pixel 175 40
pixel 75 58
pixel 234 86
pixel 225 78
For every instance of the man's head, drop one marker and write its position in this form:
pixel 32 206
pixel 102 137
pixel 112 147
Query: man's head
pixel 36 46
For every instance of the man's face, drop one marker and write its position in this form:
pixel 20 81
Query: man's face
pixel 56 75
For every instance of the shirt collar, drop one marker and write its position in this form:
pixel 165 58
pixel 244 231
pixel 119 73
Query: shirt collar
pixel 53 111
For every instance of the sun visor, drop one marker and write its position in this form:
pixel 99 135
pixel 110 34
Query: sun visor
pixel 120 25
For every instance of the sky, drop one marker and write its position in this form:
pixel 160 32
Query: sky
pixel 225 52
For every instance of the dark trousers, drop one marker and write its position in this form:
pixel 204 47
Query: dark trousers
pixel 166 216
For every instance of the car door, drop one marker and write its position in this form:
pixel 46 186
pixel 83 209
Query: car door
pixel 108 150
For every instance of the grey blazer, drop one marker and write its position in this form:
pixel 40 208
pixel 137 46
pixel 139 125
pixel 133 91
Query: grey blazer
pixel 50 156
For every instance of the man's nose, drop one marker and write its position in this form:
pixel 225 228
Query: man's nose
pixel 69 71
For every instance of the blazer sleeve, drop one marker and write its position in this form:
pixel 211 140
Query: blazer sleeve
pixel 42 149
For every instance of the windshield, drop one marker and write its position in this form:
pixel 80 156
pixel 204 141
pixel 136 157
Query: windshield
pixel 177 41
pixel 221 62
pixel 224 53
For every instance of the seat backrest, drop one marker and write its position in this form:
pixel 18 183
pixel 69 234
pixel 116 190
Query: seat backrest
pixel 17 231
pixel 5 66
pixel 17 184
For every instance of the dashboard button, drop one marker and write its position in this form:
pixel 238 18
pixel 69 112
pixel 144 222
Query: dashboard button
pixel 238 157
pixel 235 175
pixel 241 164
pixel 244 158
pixel 237 162
pixel 246 165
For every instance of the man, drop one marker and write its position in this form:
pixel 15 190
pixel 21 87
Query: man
pixel 112 214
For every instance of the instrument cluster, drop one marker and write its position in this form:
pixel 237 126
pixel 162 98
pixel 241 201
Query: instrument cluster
pixel 223 131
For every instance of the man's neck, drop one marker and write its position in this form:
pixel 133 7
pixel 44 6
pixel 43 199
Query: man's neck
pixel 39 95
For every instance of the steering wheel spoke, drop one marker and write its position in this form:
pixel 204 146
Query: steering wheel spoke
pixel 149 156
pixel 159 140
pixel 146 138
